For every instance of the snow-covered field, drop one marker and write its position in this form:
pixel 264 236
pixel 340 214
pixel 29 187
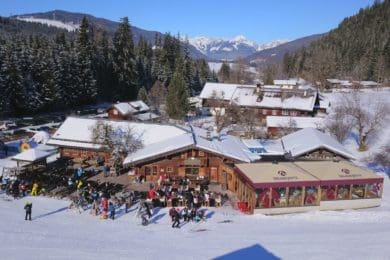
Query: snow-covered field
pixel 57 232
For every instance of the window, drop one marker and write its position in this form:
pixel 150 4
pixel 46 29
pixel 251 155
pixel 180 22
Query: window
pixel 193 153
pixel 115 112
pixel 193 171
pixel 280 197
pixel 147 170
pixel 264 112
pixel 284 112
pixel 201 153
pixel 358 191
pixel 274 112
pixel 374 190
pixel 343 192
pixel 311 196
pixel 328 193
pixel 295 196
pixel 154 170
pixel 183 155
pixel 169 169
pixel 293 113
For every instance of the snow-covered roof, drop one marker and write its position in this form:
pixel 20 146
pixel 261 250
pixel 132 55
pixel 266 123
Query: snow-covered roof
pixel 339 81
pixel 32 155
pixel 126 108
pixel 242 98
pixel 310 139
pixel 298 122
pixel 222 90
pixel 368 83
pixel 245 95
pixel 285 82
pixel 146 116
pixel 41 137
pixel 77 132
pixel 225 145
pixel 160 148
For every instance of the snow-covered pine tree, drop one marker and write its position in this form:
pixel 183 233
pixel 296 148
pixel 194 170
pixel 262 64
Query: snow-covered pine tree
pixel 87 82
pixel 11 82
pixel 124 60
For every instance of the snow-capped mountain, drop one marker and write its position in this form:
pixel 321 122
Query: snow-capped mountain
pixel 229 49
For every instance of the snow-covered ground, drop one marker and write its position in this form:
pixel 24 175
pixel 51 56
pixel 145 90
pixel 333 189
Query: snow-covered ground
pixel 57 232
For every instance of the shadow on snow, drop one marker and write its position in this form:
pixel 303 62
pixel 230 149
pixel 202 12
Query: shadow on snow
pixel 253 252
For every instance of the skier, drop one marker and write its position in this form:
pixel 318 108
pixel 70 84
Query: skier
pixel 144 212
pixel 28 209
pixel 111 209
pixel 176 219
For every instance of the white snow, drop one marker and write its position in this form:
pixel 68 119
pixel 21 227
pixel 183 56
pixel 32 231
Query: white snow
pixel 59 233
pixel 67 26
pixel 77 131
pixel 310 139
pixel 297 121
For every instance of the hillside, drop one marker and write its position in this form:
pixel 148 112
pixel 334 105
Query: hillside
pixel 273 55
pixel 359 47
pixel 105 24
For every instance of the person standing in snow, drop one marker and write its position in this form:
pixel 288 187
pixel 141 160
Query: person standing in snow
pixel 111 209
pixel 28 209
pixel 176 219
pixel 34 191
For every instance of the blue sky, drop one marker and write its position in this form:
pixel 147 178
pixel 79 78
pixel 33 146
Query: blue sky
pixel 258 20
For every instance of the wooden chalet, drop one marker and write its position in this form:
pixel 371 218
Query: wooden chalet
pixel 268 100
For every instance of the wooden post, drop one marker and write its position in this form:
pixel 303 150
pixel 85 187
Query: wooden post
pixel 287 196
pixel 318 195
pixel 365 191
pixel 350 191
pixel 303 196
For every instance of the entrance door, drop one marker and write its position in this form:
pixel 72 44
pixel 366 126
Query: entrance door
pixel 214 174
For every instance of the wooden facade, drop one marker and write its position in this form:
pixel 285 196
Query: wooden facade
pixel 114 113
pixel 191 163
pixel 81 153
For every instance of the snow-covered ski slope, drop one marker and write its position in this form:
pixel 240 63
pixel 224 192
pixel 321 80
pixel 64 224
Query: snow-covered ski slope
pixel 57 232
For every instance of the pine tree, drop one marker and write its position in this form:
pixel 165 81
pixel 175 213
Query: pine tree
pixel 87 83
pixel 143 95
pixel 124 60
pixel 224 73
pixel 177 104
pixel 11 84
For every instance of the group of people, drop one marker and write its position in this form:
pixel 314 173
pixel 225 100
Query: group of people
pixel 186 214
pixel 17 188
pixel 180 193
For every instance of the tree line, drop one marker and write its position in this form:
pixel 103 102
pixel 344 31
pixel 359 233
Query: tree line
pixel 41 72
pixel 358 48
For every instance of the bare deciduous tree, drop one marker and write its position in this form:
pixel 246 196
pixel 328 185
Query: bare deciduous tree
pixel 338 125
pixel 366 117
pixel 118 141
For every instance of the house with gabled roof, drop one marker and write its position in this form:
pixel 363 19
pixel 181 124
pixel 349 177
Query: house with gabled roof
pixel 266 100
pixel 167 149
pixel 134 110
